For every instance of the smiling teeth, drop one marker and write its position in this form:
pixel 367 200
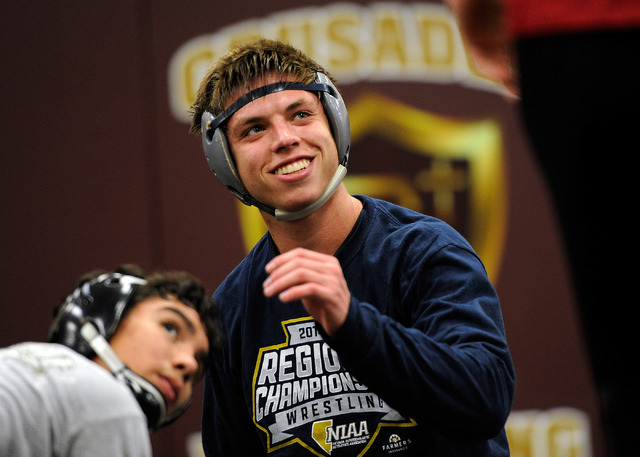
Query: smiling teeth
pixel 293 167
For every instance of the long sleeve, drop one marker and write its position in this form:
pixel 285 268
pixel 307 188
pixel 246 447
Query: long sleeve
pixel 447 363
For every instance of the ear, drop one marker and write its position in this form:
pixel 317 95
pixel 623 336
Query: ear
pixel 336 111
pixel 219 157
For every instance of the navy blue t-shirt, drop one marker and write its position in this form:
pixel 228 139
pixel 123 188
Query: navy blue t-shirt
pixel 420 367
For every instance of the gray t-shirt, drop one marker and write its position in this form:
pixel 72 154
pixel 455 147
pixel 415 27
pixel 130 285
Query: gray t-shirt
pixel 55 402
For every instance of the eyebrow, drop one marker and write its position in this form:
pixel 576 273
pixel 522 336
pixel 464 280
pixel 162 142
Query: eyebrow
pixel 254 119
pixel 183 317
pixel 259 93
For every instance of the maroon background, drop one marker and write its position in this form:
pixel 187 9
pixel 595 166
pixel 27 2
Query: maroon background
pixel 97 172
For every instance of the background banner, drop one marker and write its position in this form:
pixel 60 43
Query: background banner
pixel 99 169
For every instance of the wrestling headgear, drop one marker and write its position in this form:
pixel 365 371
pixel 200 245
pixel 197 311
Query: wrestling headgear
pixel 88 319
pixel 220 158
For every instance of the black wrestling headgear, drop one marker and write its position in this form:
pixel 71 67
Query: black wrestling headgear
pixel 88 319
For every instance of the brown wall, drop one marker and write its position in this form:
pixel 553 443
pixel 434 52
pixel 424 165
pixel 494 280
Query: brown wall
pixel 96 171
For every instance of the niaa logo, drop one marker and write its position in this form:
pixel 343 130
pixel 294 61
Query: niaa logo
pixel 329 437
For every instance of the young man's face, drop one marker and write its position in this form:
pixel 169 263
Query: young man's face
pixel 283 148
pixel 164 341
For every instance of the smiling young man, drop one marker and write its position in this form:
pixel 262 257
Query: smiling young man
pixel 123 355
pixel 354 326
pixel 263 134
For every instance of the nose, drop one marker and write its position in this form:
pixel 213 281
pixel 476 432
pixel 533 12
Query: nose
pixel 284 136
pixel 186 363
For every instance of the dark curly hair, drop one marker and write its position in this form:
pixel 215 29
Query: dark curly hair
pixel 180 284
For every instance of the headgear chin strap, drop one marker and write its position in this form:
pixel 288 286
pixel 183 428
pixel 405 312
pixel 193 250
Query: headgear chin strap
pixel 149 398
pixel 335 181
pixel 220 158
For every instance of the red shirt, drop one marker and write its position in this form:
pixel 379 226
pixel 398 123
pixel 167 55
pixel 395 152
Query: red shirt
pixel 536 17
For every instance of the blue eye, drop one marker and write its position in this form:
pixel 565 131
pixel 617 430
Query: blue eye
pixel 170 328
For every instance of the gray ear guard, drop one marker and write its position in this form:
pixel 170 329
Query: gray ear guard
pixel 216 145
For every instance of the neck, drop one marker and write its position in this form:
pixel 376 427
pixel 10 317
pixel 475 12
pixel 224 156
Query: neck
pixel 322 231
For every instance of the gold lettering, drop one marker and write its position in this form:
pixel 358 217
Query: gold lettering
pixel 409 41
pixel 299 31
pixel 437 41
pixel 558 432
pixel 243 35
pixel 389 40
pixel 344 52
pixel 185 79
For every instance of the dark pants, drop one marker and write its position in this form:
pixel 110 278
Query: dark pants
pixel 581 105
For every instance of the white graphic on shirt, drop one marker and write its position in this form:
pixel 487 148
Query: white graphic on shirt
pixel 302 394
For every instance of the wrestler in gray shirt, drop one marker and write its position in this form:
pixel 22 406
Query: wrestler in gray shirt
pixel 87 411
